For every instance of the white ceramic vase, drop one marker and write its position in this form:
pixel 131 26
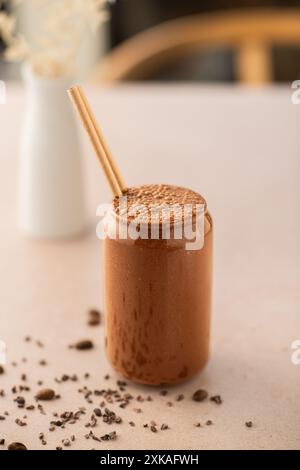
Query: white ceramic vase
pixel 51 196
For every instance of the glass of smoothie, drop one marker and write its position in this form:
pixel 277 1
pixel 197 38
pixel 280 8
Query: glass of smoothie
pixel 157 290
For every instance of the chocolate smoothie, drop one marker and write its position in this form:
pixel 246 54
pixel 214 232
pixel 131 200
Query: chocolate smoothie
pixel 158 295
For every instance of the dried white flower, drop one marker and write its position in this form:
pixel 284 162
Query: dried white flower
pixel 54 48
pixel 7 27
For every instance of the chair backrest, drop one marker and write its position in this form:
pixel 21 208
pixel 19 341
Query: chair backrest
pixel 250 33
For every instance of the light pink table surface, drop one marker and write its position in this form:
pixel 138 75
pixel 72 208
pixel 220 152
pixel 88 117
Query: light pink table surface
pixel 241 149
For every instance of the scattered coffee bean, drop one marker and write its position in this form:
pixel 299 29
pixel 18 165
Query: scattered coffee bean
pixel 216 399
pixel 94 317
pixel 16 446
pixel 2 442
pixel 84 345
pixel 164 427
pixel 209 422
pixel 112 436
pixel 45 394
pixel 42 362
pixel 30 407
pixel 121 383
pixel 24 377
pixel 163 392
pixel 66 442
pixel 248 424
pixel 197 425
pixel 153 428
pixel 132 423
pixel 58 448
pixel 1 369
pixel 200 395
pixel 180 397
pixel 21 423
pixel 98 412
pixel 2 418
pixel 20 401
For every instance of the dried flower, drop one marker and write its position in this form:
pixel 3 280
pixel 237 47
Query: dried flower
pixel 62 26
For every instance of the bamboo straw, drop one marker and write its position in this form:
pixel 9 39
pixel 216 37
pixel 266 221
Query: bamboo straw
pixel 106 160
pixel 102 139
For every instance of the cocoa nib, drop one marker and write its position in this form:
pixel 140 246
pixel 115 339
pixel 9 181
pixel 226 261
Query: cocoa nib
pixel 216 399
pixel 94 317
pixel 200 395
pixel 83 345
pixel 45 394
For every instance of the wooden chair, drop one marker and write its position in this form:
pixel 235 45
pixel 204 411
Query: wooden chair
pixel 250 33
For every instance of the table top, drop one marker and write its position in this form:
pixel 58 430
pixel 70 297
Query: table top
pixel 240 149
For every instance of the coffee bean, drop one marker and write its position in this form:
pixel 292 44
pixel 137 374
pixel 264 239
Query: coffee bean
pixel 94 317
pixel 84 345
pixel 249 424
pixel 20 401
pixel 2 442
pixel 209 422
pixel 1 369
pixel 98 412
pixel 200 395
pixel 45 394
pixel 16 446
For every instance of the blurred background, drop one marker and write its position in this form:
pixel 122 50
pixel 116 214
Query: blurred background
pixel 215 61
